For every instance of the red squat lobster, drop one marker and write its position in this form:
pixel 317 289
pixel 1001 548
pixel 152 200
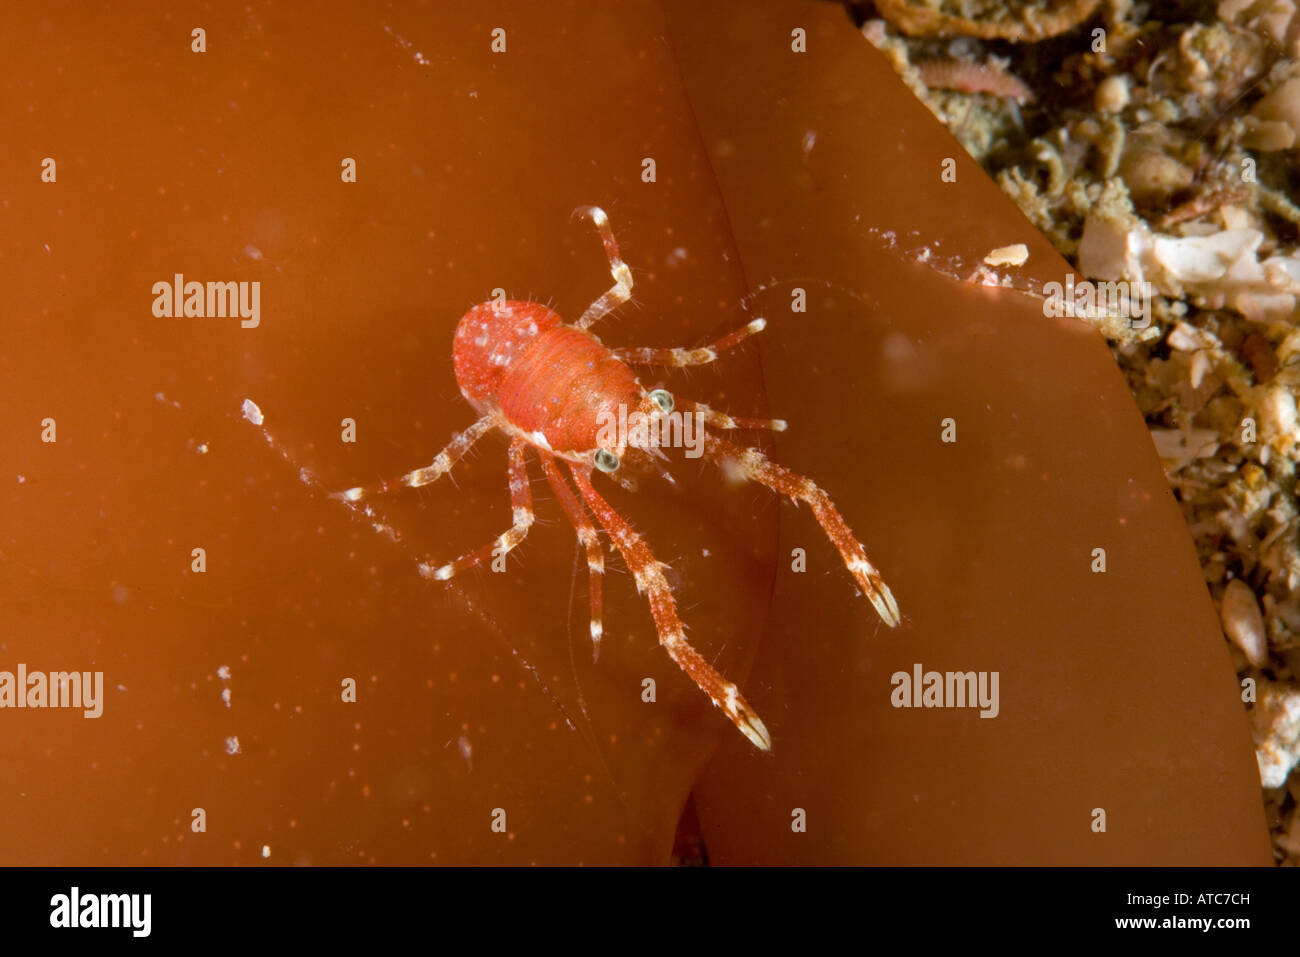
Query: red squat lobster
pixel 550 386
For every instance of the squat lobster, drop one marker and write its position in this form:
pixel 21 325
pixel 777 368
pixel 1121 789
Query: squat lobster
pixel 554 387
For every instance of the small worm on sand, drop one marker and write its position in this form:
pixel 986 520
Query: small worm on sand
pixel 969 77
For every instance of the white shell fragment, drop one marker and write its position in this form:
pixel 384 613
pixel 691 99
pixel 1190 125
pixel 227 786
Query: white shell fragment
pixel 1242 622
pixel 1015 255
pixel 251 412
pixel 1112 94
pixel 1280 110
pixel 1219 270
pixel 1276 724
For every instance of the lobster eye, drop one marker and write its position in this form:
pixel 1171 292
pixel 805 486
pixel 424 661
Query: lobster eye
pixel 662 398
pixel 606 460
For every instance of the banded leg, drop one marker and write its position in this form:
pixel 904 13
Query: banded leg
pixel 442 464
pixel 650 582
pixel 676 358
pixel 521 501
pixel 720 420
pixel 621 291
pixel 577 513
pixel 755 466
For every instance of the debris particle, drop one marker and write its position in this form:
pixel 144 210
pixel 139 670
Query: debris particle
pixel 1015 255
pixel 1112 94
pixel 251 412
pixel 1243 623
pixel 1276 722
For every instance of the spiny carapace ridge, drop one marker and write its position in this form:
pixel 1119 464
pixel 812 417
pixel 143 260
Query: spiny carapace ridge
pixel 551 387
